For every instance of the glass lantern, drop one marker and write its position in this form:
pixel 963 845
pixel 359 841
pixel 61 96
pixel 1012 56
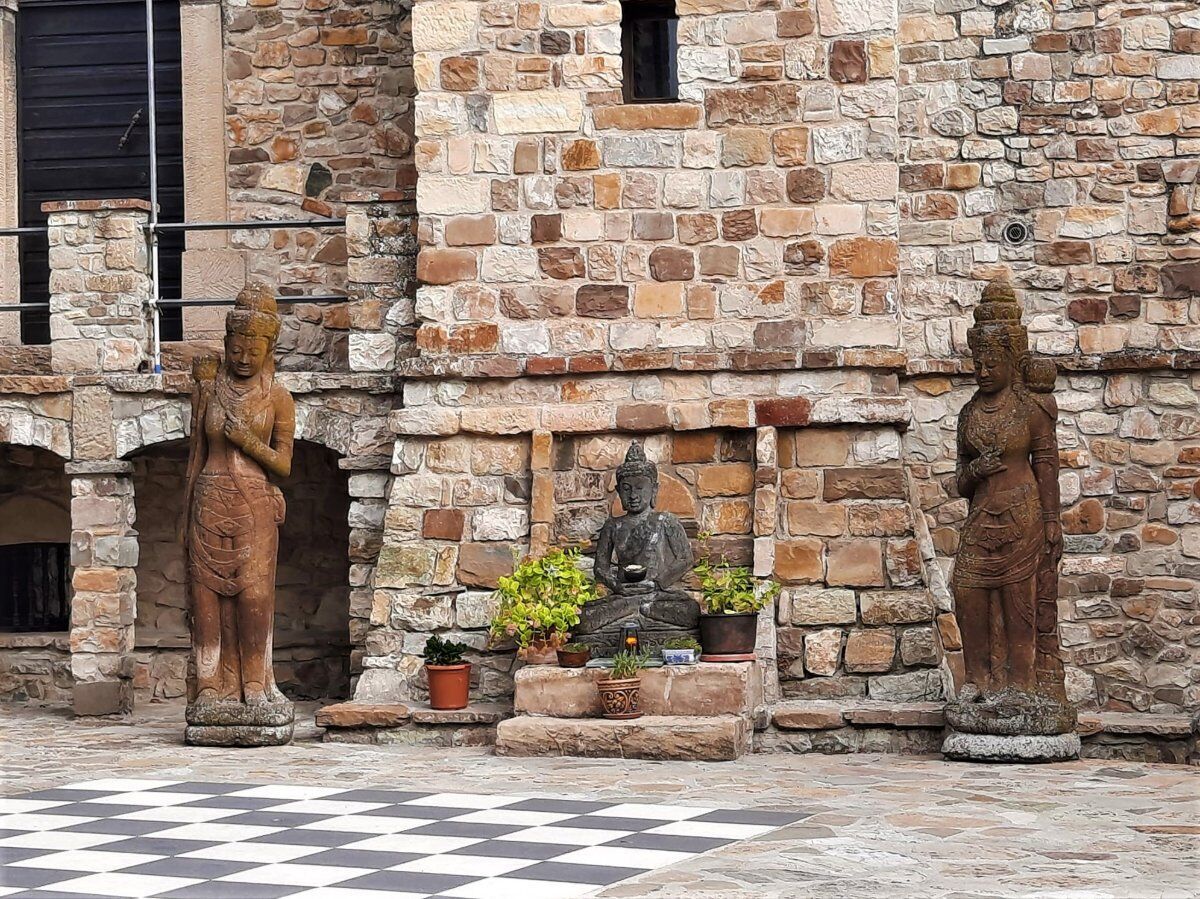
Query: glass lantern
pixel 631 637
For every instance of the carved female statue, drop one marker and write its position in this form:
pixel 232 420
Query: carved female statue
pixel 1005 577
pixel 242 430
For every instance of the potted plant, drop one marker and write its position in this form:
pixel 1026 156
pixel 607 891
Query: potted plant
pixel 449 676
pixel 574 655
pixel 540 603
pixel 620 692
pixel 680 651
pixel 732 598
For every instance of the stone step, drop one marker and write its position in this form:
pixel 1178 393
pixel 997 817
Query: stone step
pixel 706 689
pixel 667 737
pixel 825 715
pixel 412 723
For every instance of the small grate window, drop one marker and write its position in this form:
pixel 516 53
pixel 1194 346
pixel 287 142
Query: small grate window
pixel 33 587
pixel 649 40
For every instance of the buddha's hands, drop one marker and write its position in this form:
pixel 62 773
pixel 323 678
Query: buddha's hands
pixel 238 432
pixel 987 464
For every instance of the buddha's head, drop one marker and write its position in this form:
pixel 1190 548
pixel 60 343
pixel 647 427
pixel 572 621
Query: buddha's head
pixel 999 342
pixel 251 329
pixel 637 481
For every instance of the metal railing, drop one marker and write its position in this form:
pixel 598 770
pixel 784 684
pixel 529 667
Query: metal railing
pixel 152 228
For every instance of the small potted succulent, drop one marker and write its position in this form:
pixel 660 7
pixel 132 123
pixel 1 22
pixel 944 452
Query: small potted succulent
pixel 449 676
pixel 731 598
pixel 620 692
pixel 680 651
pixel 540 603
pixel 574 655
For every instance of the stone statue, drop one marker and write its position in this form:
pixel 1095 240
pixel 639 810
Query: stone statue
pixel 242 429
pixel 640 556
pixel 1005 579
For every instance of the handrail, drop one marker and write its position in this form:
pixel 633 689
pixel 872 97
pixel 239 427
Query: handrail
pixel 289 300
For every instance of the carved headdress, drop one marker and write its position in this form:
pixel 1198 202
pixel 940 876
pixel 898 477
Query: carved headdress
pixel 636 464
pixel 998 326
pixel 254 314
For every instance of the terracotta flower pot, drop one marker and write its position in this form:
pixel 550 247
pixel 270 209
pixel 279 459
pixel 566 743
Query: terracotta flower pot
pixel 728 635
pixel 449 685
pixel 574 659
pixel 620 698
pixel 540 654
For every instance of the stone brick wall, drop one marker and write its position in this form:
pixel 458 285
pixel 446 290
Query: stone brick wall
pixel 319 102
pixel 855 618
pixel 755 217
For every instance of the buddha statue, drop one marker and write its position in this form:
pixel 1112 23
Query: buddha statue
pixel 1005 578
pixel 640 557
pixel 242 431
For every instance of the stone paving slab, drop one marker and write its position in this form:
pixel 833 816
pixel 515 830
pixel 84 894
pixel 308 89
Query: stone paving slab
pixel 878 826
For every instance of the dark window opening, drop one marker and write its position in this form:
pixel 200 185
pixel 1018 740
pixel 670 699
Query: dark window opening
pixel 83 128
pixel 649 40
pixel 34 578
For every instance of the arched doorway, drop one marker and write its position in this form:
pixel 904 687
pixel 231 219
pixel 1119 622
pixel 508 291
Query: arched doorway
pixel 35 576
pixel 312 597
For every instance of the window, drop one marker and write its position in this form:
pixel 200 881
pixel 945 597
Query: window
pixel 649 39
pixel 33 587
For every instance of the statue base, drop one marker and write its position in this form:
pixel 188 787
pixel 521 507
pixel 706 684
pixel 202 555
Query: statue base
pixel 1030 748
pixel 238 724
pixel 1010 713
pixel 661 615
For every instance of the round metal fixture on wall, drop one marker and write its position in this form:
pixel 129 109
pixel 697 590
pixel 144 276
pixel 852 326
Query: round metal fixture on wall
pixel 1016 233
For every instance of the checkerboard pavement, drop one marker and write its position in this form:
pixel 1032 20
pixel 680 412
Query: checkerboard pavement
pixel 188 840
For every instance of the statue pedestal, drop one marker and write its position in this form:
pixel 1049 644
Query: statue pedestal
pixel 238 724
pixel 660 614
pixel 1010 726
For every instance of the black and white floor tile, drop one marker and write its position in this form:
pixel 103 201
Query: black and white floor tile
pixel 137 839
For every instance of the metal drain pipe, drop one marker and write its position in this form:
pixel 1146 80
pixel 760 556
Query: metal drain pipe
pixel 156 353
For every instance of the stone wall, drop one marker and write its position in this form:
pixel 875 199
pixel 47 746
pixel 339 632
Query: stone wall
pixel 756 217
pixel 319 104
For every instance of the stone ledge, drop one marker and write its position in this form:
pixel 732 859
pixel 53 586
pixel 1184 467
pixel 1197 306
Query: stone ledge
pixel 475 713
pixel 703 690
pixel 33 385
pixel 43 640
pixel 572 418
pixel 502 366
pixel 826 715
pixel 1128 360
pixel 673 738
pixel 114 205
pixel 1090 723
pixel 364 714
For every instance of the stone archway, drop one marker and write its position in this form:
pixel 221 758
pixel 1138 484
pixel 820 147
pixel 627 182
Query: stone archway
pixel 35 577
pixel 312 635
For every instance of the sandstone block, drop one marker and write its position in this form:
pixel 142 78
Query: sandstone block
pixel 800 561
pixel 812 605
pixel 896 607
pixel 665 738
pixel 870 651
pixel 726 479
pixel 855 563
pixel 864 483
pixel 808 716
pixel 537 111
pixel 822 651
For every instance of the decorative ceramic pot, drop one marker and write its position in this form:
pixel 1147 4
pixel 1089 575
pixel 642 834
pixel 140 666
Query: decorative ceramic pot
pixel 540 653
pixel 576 659
pixel 449 685
pixel 679 656
pixel 620 698
pixel 728 635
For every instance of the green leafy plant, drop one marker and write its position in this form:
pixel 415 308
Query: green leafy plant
pixel 627 664
pixel 731 590
pixel 443 652
pixel 682 643
pixel 541 599
pixel 574 647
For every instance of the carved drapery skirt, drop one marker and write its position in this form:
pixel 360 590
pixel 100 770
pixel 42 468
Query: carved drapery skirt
pixel 231 547
pixel 1002 541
